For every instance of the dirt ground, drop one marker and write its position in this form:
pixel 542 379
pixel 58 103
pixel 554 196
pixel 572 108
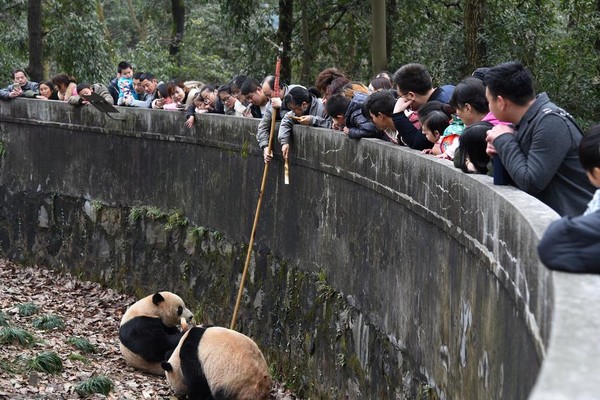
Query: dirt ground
pixel 88 310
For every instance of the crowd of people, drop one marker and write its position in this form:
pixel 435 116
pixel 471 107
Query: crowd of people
pixel 492 115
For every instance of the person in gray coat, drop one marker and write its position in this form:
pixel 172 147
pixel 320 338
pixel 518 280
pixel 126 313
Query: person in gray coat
pixel 306 109
pixel 22 87
pixel 85 89
pixel 541 152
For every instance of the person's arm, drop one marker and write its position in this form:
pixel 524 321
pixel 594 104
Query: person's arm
pixel 285 128
pixel 5 93
pixel 141 103
pixel 410 136
pixel 572 244
pixel 76 100
pixel 550 143
pixel 361 127
pixel 264 127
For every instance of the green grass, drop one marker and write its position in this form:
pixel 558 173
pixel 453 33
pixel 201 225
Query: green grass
pixel 82 344
pixel 3 319
pixel 13 335
pixel 49 322
pixel 27 309
pixel 97 384
pixel 78 357
pixel 48 362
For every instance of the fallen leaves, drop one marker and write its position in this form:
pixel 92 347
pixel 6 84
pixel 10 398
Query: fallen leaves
pixel 89 311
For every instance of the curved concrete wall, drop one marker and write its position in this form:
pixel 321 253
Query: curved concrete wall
pixel 440 264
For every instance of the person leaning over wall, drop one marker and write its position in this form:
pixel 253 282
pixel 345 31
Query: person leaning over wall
pixel 572 244
pixel 85 89
pixel 540 154
pixel 21 86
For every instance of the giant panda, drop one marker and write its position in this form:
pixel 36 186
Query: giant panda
pixel 218 363
pixel 149 329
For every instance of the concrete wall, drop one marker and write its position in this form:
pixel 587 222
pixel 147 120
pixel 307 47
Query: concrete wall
pixel 420 274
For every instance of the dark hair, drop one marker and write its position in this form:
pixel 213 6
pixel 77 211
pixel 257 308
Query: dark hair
pixel 237 82
pixel 162 90
pixel 413 78
pixel 297 96
pixel 435 105
pixel 335 86
pixel 171 85
pixel 337 105
pixel 147 75
pixel 479 73
pixel 14 71
pixel 589 149
pixel 472 147
pixel 385 74
pixel 325 78
pixel 51 85
pixel 380 102
pixel 83 85
pixel 512 81
pixel 123 65
pixel 381 83
pixel 436 120
pixel 250 85
pixel 63 79
pixel 470 91
pixel 208 87
pixel 224 88
pixel 138 75
pixel 314 91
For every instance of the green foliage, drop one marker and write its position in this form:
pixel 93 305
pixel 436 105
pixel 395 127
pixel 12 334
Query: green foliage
pixel 49 322
pixel 78 357
pixel 176 219
pixel 48 362
pixel 97 384
pixel 3 319
pixel 76 21
pixel 82 344
pixel 27 309
pixel 13 335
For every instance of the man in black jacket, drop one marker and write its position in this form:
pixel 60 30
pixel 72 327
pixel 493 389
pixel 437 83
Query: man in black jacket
pixel 573 244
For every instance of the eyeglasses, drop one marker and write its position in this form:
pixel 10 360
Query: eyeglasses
pixel 225 99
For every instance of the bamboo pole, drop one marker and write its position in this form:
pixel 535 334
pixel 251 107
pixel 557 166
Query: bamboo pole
pixel 263 184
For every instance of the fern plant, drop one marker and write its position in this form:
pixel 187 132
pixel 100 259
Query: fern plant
pixel 96 384
pixel 27 309
pixel 48 362
pixel 49 322
pixel 82 344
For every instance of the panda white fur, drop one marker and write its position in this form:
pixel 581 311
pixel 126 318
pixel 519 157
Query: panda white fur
pixel 218 363
pixel 149 329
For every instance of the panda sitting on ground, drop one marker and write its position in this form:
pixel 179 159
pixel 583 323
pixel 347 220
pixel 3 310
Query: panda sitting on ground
pixel 149 329
pixel 218 363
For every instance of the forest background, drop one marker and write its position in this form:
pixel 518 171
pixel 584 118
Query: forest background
pixel 214 40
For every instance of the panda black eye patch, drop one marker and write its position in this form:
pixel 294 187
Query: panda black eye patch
pixel 179 310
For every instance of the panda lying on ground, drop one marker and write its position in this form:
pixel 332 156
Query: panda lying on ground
pixel 149 329
pixel 218 363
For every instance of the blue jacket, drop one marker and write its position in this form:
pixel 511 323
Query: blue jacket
pixel 572 244
pixel 358 125
pixel 30 89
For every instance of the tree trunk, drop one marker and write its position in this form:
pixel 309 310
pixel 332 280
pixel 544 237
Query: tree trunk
pixel 178 8
pixel 474 47
pixel 285 30
pixel 391 17
pixel 378 39
pixel 307 46
pixel 36 44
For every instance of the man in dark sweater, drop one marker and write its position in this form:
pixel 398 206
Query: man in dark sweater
pixel 415 88
pixel 541 152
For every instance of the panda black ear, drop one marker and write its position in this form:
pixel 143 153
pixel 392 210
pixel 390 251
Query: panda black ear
pixel 157 298
pixel 166 366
